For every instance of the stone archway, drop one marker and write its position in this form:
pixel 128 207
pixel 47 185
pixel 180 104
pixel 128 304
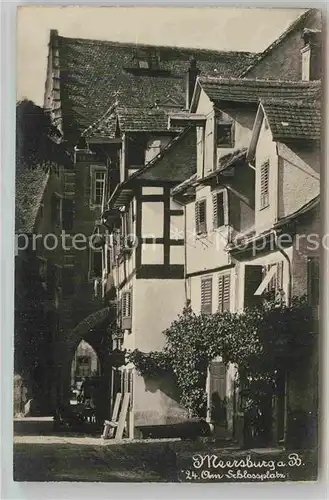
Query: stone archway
pixel 95 331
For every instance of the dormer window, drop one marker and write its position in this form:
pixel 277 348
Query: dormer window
pixel 143 64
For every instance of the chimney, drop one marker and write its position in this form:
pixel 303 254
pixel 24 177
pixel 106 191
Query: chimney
pixel 191 76
pixel 311 55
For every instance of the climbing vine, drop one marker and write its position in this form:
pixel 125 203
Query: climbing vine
pixel 261 341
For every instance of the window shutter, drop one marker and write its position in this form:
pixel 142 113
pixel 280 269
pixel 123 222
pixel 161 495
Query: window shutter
pixel 68 214
pixel 202 217
pixel 206 295
pixel 224 292
pixel 218 209
pixel 126 311
pixel 197 218
pixel 215 210
pixel 264 185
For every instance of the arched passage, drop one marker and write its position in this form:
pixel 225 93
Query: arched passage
pixel 96 331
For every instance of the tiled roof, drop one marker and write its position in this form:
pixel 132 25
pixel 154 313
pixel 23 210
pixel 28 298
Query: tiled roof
pixel 251 90
pixel 293 120
pixel 310 205
pixel 140 119
pixel 30 187
pixel 94 74
pixel 294 26
pixel 234 158
pixel 190 182
pixel 176 162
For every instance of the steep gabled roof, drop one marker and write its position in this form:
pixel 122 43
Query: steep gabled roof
pixel 30 187
pixel 293 120
pixel 246 90
pixel 94 74
pixel 288 121
pixel 294 26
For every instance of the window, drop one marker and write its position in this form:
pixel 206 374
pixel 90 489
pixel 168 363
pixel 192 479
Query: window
pixel 200 217
pixel 67 214
pixel 56 209
pixel 264 185
pixel 143 64
pixel 98 179
pixel 83 366
pixel 224 292
pixel 126 310
pixel 218 209
pixel 224 134
pixel 206 295
pixel 313 281
pixel 96 263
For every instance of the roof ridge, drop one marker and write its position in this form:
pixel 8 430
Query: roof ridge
pixel 292 26
pixel 151 46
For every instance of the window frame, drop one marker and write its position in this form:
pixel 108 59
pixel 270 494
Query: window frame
pixel 94 170
pixel 91 273
pixel 219 122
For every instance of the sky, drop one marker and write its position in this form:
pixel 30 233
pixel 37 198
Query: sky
pixel 219 28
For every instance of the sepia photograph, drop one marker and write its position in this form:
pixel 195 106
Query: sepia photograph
pixel 167 244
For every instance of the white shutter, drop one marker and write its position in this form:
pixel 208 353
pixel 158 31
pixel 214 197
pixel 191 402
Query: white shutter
pixel 224 292
pixel 206 295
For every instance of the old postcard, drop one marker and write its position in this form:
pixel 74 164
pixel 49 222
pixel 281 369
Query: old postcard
pixel 167 244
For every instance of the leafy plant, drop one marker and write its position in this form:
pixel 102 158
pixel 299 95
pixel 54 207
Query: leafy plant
pixel 261 342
